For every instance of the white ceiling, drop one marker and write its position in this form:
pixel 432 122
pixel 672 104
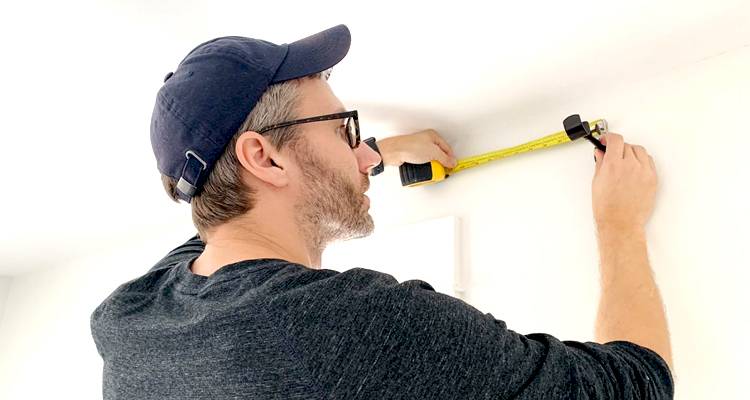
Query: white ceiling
pixel 79 78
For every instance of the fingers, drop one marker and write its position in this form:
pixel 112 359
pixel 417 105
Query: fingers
pixel 442 143
pixel 627 152
pixel 640 153
pixel 615 145
pixel 444 159
pixel 447 158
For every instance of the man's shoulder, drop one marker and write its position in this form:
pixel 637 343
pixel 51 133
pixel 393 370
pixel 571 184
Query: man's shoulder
pixel 354 280
pixel 128 297
pixel 192 248
pixel 356 289
pixel 139 289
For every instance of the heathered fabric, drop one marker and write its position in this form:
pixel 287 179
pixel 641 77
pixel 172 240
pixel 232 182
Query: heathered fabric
pixel 271 329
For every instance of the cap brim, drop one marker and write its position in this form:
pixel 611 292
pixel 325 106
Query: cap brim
pixel 314 53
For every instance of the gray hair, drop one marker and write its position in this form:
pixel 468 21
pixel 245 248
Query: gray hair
pixel 224 196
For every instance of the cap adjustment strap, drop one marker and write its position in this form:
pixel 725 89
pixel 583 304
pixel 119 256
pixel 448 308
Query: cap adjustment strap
pixel 188 183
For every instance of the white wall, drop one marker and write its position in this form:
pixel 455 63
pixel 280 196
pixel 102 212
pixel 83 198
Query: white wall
pixel 5 282
pixel 526 233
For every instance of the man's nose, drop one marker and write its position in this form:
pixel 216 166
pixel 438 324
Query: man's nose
pixel 366 157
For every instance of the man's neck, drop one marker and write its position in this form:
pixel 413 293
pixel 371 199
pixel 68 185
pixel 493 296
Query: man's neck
pixel 246 240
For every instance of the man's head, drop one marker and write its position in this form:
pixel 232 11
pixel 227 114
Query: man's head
pixel 308 169
pixel 330 175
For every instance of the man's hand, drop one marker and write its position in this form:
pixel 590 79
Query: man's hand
pixel 416 148
pixel 624 184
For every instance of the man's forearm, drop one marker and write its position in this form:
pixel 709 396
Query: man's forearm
pixel 630 307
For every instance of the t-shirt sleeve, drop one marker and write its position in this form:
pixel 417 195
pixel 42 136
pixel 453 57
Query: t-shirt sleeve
pixel 408 341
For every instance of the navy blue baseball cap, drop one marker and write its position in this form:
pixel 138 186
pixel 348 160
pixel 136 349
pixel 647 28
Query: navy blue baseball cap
pixel 206 99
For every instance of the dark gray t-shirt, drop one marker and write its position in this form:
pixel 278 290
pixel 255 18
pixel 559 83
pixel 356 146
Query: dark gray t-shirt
pixel 271 329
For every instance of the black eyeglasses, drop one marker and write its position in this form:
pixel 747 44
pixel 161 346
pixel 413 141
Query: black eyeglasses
pixel 351 124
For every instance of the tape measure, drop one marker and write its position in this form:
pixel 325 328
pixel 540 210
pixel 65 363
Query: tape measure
pixel 431 172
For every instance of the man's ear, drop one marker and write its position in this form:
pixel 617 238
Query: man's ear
pixel 259 157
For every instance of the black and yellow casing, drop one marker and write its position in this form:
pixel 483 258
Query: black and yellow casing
pixel 421 174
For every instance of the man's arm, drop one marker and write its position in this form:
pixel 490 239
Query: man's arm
pixel 630 306
pixel 405 340
pixel 623 198
pixel 416 148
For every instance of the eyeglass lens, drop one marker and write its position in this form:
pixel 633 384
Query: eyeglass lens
pixel 351 129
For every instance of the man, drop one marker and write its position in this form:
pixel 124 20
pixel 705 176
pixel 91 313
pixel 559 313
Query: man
pixel 271 162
